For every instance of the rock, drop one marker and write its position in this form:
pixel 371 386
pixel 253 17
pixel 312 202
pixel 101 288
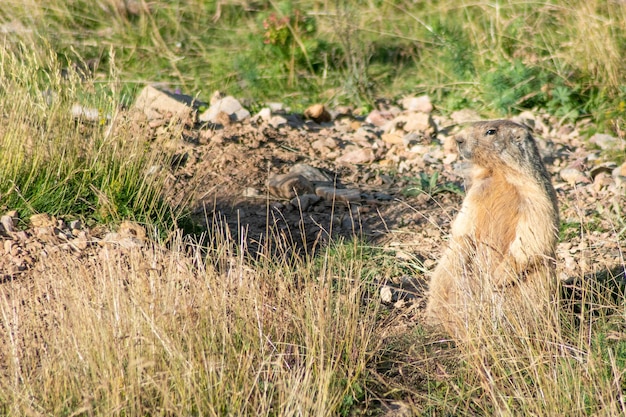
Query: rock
pixel 450 158
pixel 450 145
pixel 379 118
pixel 309 172
pixel 251 192
pixel 386 294
pixel 358 156
pixel 265 114
pixel 228 105
pixel 603 168
pixel 8 223
pixel 392 138
pixel 464 116
pixel 277 121
pixel 572 175
pixel 290 185
pixel 345 195
pixel 419 122
pixel 42 220
pixel 364 135
pixel 85 113
pixel 303 202
pixel 317 113
pixel 608 142
pixel 132 229
pixel 328 143
pixel 157 104
pixel 76 225
pixel 274 107
pixel 411 139
pixel 418 104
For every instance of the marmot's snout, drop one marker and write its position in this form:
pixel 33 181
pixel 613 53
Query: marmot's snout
pixel 461 142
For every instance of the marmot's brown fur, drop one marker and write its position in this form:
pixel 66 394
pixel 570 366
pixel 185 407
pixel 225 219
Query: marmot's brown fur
pixel 504 237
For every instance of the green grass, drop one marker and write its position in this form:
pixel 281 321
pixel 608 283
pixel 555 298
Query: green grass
pixel 498 58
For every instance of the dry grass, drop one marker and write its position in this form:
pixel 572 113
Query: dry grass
pixel 156 332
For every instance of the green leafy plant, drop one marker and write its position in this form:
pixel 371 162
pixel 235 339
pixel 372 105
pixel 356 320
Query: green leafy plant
pixel 429 184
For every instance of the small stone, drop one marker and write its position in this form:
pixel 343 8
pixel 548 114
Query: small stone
pixel 132 229
pixel 76 225
pixel 572 175
pixel 229 105
pixel 317 113
pixel 251 192
pixel 157 104
pixel 419 104
pixel 277 121
pixel 386 294
pixel 450 145
pixel 42 220
pixel 303 202
pixel 8 223
pixel 324 143
pixel 265 114
pixel 345 195
pixel 464 116
pixel 309 172
pixel 608 142
pixel 222 118
pixel 392 138
pixel 379 118
pixel 290 185
pixel 358 156
pixel 620 171
pixel 85 113
pixel 411 139
pixel 419 122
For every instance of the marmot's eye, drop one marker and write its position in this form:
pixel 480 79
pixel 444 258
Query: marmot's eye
pixel 490 132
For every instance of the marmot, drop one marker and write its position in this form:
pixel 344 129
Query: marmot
pixel 503 239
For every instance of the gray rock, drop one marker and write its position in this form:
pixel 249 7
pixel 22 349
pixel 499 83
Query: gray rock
pixel 608 142
pixel 303 202
pixel 290 185
pixel 228 105
pixel 345 195
pixel 7 223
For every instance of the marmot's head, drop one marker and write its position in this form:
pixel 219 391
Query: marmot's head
pixel 498 142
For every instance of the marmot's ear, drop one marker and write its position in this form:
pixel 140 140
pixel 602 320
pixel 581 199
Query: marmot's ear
pixel 521 134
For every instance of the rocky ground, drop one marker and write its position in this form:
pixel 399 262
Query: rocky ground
pixel 291 182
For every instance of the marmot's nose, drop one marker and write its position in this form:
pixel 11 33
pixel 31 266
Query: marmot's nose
pixel 459 139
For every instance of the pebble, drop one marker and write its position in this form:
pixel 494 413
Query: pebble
pixel 419 104
pixel 228 105
pixel 289 185
pixel 358 156
pixel 572 175
pixel 317 113
pixel 346 195
pixel 608 142
pixel 303 202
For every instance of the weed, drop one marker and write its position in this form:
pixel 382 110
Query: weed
pixel 429 185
